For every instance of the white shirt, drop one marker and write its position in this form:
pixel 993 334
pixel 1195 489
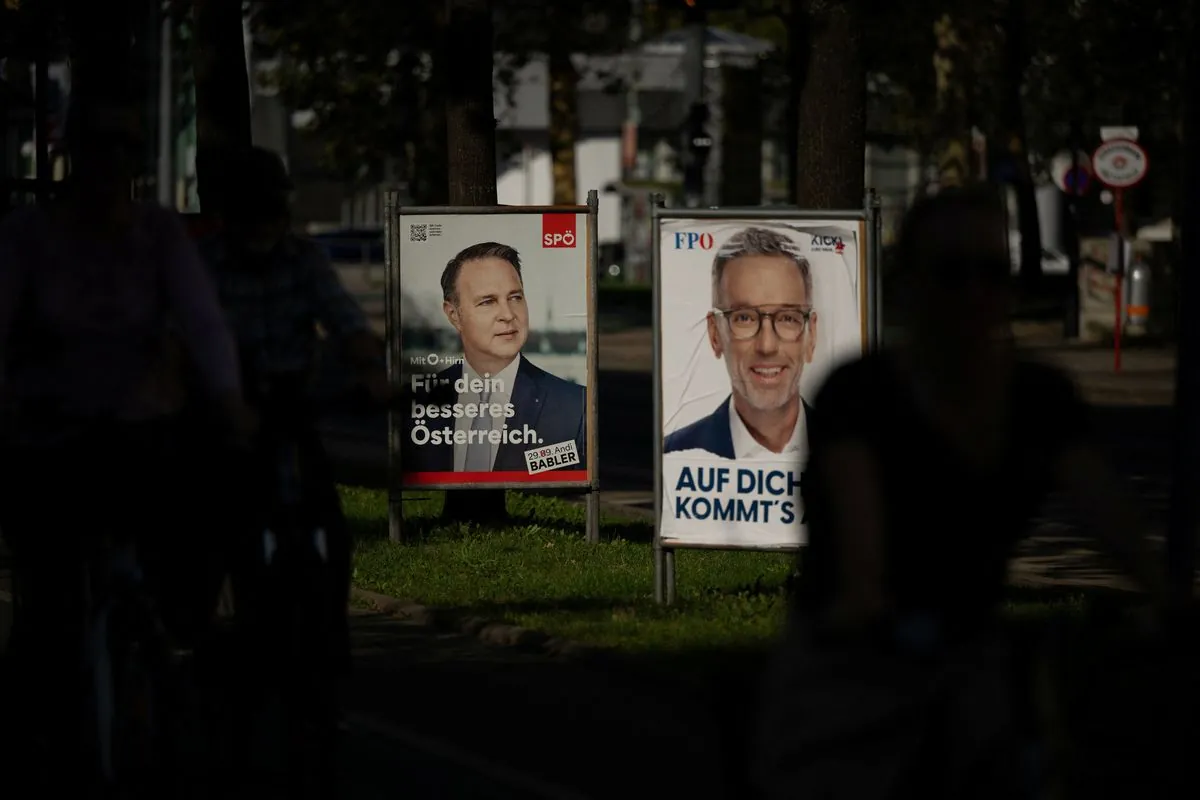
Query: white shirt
pixel 746 446
pixel 505 378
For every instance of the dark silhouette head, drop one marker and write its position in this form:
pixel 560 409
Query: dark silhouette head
pixel 105 140
pixel 953 256
pixel 259 208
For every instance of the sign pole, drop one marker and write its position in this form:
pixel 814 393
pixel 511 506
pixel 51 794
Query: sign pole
pixel 1119 287
pixel 593 356
pixel 391 315
pixel 661 563
pixel 1120 163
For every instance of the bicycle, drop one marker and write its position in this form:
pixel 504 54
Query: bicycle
pixel 1088 660
pixel 1049 659
pixel 126 655
pixel 295 617
pixel 1037 735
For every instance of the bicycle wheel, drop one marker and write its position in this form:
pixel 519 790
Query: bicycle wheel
pixel 135 708
pixel 312 702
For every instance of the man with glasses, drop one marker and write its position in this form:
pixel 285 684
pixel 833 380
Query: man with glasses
pixel 764 327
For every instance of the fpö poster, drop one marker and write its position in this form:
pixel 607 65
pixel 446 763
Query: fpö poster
pixel 493 323
pixel 754 314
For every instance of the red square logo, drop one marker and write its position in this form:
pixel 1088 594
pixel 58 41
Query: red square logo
pixel 558 230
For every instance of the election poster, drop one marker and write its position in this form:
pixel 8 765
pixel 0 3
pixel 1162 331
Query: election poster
pixel 494 325
pixel 753 315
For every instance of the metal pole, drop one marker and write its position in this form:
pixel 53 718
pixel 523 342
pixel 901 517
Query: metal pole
pixel 872 247
pixel 41 114
pixel 593 369
pixel 166 103
pixel 1118 288
pixel 391 316
pixel 660 560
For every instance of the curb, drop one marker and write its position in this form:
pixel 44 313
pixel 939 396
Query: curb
pixel 489 632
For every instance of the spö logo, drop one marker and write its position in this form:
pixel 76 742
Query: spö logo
pixel 558 230
pixel 827 244
pixel 686 240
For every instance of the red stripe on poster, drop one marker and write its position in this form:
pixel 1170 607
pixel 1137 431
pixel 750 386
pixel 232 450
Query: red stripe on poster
pixel 553 476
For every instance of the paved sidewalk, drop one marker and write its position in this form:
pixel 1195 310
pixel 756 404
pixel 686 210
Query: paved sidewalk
pixel 431 715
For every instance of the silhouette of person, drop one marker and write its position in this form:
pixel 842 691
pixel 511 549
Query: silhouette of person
pixel 89 286
pixel 893 678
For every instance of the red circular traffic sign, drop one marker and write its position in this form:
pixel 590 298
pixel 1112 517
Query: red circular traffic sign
pixel 1120 163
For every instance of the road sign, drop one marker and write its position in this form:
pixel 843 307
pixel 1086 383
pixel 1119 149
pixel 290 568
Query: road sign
pixel 1072 173
pixel 1077 180
pixel 1120 163
pixel 1108 133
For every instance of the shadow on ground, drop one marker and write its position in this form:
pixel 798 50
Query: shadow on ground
pixel 682 724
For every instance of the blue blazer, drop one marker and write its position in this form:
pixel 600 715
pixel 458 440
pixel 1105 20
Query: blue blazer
pixel 712 433
pixel 555 408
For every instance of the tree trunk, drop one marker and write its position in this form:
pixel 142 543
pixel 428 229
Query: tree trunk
pixel 798 55
pixel 222 98
pixel 471 148
pixel 564 124
pixel 470 115
pixel 1015 60
pixel 431 182
pixel 952 128
pixel 830 159
pixel 741 136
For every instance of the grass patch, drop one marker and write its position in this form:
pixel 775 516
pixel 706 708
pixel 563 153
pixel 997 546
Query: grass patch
pixel 539 572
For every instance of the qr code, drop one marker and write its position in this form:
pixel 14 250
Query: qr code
pixel 417 233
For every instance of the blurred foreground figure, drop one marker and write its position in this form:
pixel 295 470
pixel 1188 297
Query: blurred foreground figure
pixel 895 679
pixel 289 546
pixel 91 288
pixel 278 291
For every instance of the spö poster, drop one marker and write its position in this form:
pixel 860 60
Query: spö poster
pixel 754 314
pixel 493 320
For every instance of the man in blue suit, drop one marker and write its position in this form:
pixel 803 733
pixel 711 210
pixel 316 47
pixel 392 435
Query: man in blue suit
pixel 483 415
pixel 764 327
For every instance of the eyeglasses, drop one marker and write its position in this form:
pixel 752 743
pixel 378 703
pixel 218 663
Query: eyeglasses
pixel 745 323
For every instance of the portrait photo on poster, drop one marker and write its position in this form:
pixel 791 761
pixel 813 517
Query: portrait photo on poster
pixel 494 365
pixel 753 316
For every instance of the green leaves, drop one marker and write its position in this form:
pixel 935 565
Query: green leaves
pixel 355 64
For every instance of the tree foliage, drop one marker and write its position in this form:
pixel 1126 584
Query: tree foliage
pixel 560 31
pixel 358 66
pixel 355 66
